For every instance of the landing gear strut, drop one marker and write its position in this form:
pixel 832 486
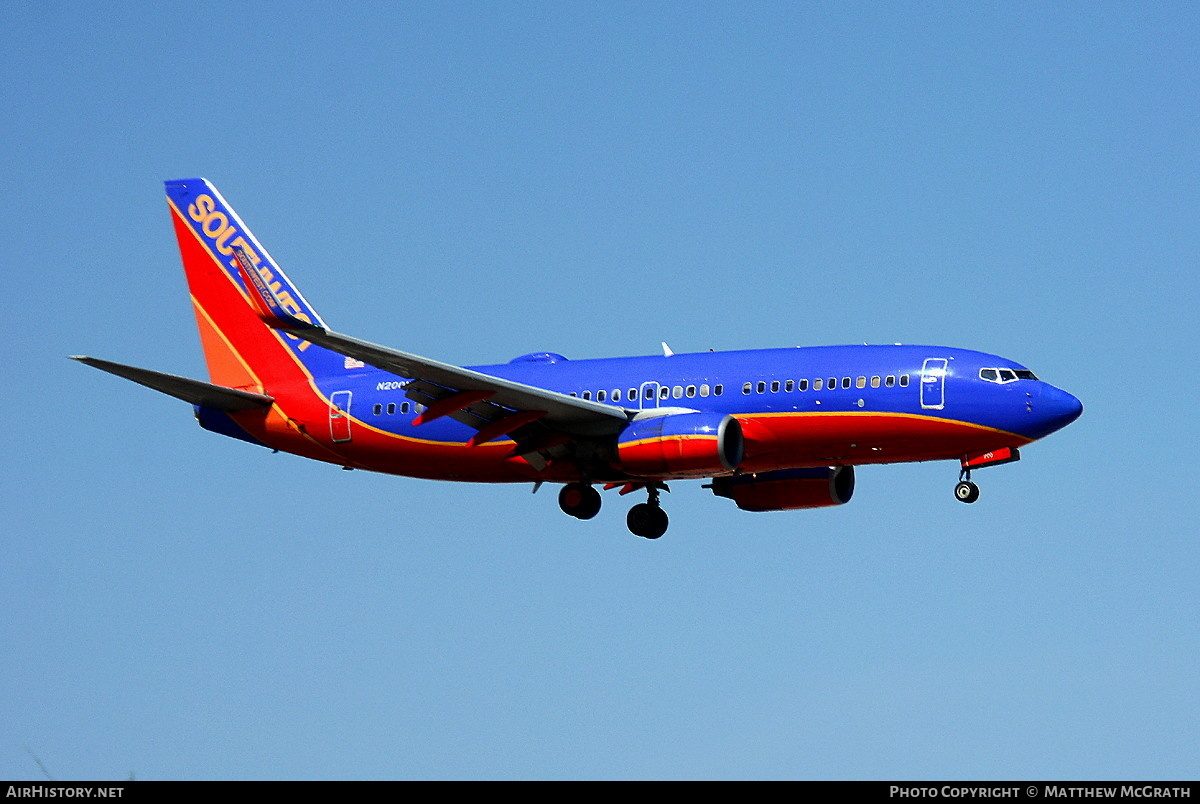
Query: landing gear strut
pixel 648 519
pixel 966 491
pixel 579 500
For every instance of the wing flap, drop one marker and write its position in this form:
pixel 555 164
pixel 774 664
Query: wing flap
pixel 578 416
pixel 535 442
pixel 571 414
pixel 562 426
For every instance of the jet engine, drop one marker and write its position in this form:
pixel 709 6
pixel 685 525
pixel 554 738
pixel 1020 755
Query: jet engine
pixel 681 445
pixel 788 489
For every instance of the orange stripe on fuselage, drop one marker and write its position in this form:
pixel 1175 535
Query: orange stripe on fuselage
pixel 273 426
pixel 241 351
pixel 796 440
pixel 227 308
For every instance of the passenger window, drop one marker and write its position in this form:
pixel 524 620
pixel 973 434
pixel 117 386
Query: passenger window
pixel 677 392
pixel 633 393
pixel 832 383
pixel 601 396
pixel 378 409
pixel 703 390
pixel 391 408
pixel 718 390
pixel 845 382
pixel 875 382
pixel 664 392
pixel 804 385
pixel 761 387
pixel 861 382
pixel 818 384
pixel 616 395
pixel 789 386
pixel 746 388
pixel 889 381
pixel 690 391
pixel 775 386
pixel 587 395
pixel 404 407
pixel 903 380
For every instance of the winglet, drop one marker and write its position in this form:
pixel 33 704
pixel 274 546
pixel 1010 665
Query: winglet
pixel 266 303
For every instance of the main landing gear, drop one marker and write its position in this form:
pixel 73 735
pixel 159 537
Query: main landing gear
pixel 579 500
pixel 647 519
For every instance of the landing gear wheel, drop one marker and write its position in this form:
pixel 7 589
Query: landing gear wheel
pixel 579 500
pixel 966 491
pixel 646 520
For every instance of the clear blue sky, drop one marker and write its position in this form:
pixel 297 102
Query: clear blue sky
pixel 474 181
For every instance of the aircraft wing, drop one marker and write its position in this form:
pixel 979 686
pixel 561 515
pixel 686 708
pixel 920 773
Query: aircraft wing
pixel 571 414
pixel 538 420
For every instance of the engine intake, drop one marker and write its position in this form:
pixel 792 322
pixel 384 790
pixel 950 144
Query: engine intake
pixel 788 489
pixel 681 445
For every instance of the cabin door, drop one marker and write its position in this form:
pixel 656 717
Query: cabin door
pixel 339 416
pixel 933 383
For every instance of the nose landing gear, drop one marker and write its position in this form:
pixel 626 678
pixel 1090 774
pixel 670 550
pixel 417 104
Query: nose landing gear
pixel 966 491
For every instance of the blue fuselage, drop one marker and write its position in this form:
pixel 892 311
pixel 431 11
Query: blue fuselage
pixel 886 403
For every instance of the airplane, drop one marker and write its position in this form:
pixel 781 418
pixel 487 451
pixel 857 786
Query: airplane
pixel 770 429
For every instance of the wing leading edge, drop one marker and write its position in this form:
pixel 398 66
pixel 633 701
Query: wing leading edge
pixel 537 419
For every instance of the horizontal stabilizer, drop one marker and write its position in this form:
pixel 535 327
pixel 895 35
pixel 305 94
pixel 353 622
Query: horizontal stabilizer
pixel 194 391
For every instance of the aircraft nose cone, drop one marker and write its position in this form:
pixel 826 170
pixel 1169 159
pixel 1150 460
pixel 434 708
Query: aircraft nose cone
pixel 1058 408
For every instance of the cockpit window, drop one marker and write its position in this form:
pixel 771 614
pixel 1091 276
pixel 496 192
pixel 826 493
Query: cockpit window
pixel 1005 375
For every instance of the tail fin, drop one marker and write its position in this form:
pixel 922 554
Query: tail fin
pixel 241 351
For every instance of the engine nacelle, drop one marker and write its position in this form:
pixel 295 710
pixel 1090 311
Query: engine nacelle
pixel 788 489
pixel 681 445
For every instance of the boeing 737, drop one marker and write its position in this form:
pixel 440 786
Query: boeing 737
pixel 770 429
